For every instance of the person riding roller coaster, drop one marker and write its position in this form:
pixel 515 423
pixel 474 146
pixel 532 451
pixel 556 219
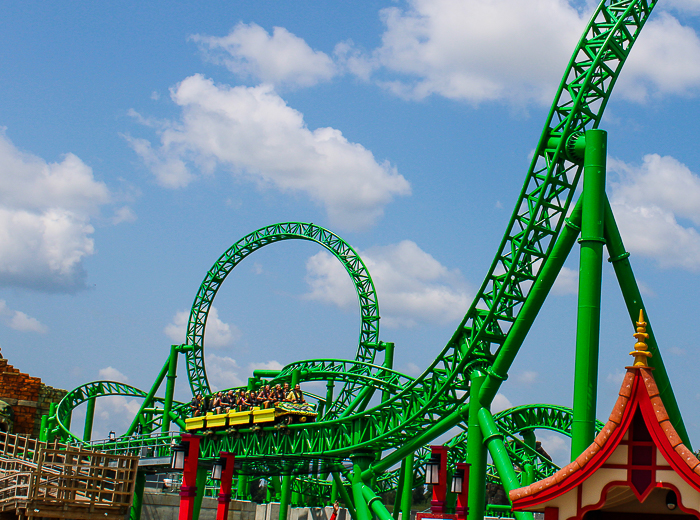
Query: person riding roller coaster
pixel 296 395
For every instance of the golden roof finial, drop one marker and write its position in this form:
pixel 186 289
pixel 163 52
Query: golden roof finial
pixel 640 348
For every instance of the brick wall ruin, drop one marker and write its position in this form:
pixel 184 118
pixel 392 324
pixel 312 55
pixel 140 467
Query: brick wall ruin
pixel 28 397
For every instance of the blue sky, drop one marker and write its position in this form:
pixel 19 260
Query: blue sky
pixel 140 141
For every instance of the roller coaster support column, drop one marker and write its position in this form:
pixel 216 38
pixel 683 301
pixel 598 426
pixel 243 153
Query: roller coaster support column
pixel 476 452
pixel 286 496
pixel 493 439
pixel 202 474
pixel 89 417
pixel 344 495
pixel 589 287
pixel 170 387
pixel 529 469
pixel 375 503
pixel 135 512
pixel 407 489
pixel 329 393
pixel 188 489
pixel 633 299
pixel 538 293
pixel 228 461
pixel 388 363
pixel 360 462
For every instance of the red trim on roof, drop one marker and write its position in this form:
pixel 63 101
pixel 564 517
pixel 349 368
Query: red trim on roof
pixel 638 390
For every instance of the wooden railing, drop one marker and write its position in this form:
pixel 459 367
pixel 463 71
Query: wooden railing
pixel 59 481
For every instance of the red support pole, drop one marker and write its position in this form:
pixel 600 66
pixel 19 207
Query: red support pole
pixel 225 488
pixel 188 490
pixel 462 508
pixel 437 505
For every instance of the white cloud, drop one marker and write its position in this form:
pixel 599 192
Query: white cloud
pixel 412 286
pixel 223 372
pixel 677 351
pixel 216 335
pixel 113 413
pixel 280 58
pixel 253 132
pixel 500 403
pixel 685 6
pixel 412 369
pixel 528 377
pixel 45 211
pixel 266 365
pixel 557 446
pixel 20 321
pixel 476 50
pixel 566 282
pixel 615 377
pixel 123 214
pixel 665 60
pixel 112 374
pixel 648 200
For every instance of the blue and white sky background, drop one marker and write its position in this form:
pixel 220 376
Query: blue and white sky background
pixel 140 140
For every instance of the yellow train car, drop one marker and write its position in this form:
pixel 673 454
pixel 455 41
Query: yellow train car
pixel 283 413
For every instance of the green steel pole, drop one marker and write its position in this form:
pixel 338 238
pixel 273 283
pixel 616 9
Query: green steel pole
pixel 329 393
pixel 242 491
pixel 296 496
pixel 135 513
pixel 286 496
pixel 89 417
pixel 334 491
pixel 375 503
pixel 399 491
pixel 530 439
pixel 476 454
pixel 388 363
pixel 277 487
pixel 201 485
pixel 633 299
pixel 360 462
pixel 417 442
pixel 344 495
pixel 407 490
pixel 170 388
pixel 536 298
pixel 494 441
pixel 296 377
pixel 43 434
pixel 148 400
pixel 589 288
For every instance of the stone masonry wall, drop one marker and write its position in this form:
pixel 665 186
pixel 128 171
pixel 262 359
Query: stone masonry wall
pixel 28 397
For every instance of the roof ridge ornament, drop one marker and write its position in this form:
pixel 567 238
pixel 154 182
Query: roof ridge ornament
pixel 640 348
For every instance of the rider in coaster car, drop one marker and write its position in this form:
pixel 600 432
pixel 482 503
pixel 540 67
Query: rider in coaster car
pixel 296 395
pixel 264 396
pixel 195 405
pixel 230 401
pixel 216 403
pixel 241 401
pixel 279 394
pixel 204 405
pixel 285 393
pixel 253 399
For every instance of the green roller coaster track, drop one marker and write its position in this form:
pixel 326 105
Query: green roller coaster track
pixel 457 389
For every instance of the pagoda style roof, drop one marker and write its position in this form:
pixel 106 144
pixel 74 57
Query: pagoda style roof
pixel 638 457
